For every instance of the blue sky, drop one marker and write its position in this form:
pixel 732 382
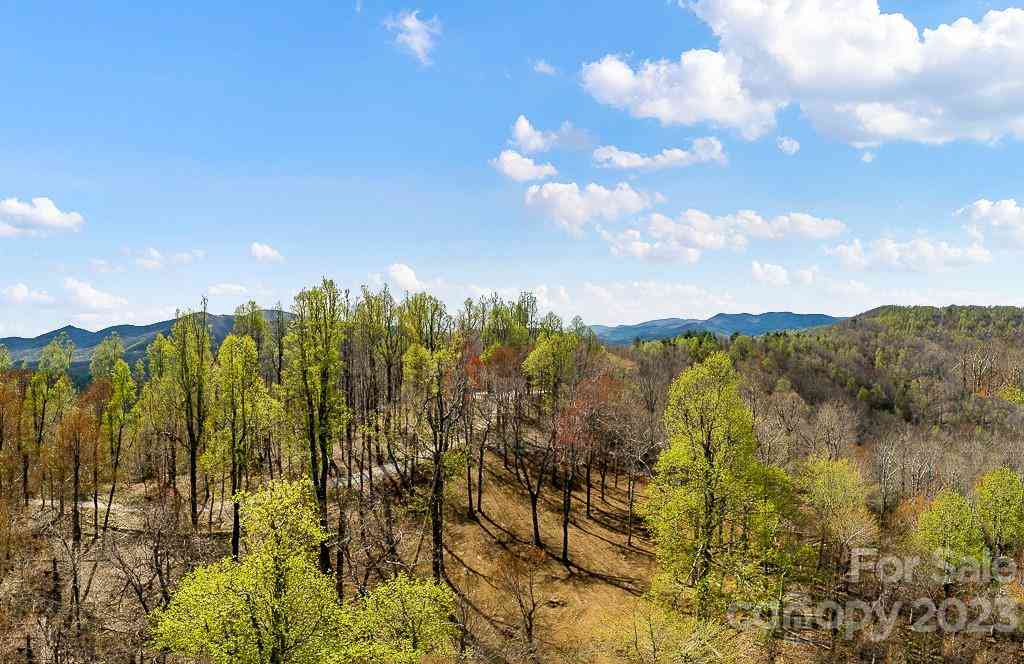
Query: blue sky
pixel 627 161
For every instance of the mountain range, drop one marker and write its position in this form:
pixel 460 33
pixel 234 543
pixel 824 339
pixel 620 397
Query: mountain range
pixel 134 337
pixel 721 324
pixel 137 337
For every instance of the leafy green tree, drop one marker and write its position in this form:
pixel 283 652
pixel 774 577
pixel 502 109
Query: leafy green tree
pixel 406 619
pixel 105 356
pixel 999 499
pixel 313 382
pixel 949 528
pixel 193 359
pixel 118 416
pixel 836 495
pixel 551 364
pixel 714 510
pixel 240 397
pixel 433 368
pixel 275 606
pixel 251 322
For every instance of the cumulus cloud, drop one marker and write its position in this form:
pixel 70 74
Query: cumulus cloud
pixel 542 67
pixel 85 295
pixel 684 238
pixel 404 277
pixel 867 156
pixel 520 168
pixel 788 145
pixel 917 255
pixel 22 294
pixel 415 35
pixel 572 207
pixel 702 150
pixel 264 253
pixel 35 216
pixel 1005 218
pixel 529 139
pixel 227 289
pixel 702 86
pixel 768 274
pixel 858 73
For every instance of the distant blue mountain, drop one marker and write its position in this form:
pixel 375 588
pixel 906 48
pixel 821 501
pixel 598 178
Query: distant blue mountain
pixel 721 324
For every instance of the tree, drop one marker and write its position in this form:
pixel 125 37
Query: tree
pixel 551 368
pixel 49 390
pixel 406 619
pixel 710 499
pixel 190 337
pixel 105 356
pixel 313 382
pixel 273 605
pixel 434 371
pixel 836 494
pixel 999 499
pixel 948 528
pixel 117 417
pixel 240 396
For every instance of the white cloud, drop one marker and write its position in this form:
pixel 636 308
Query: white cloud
pixel 917 255
pixel 808 276
pixel 542 67
pixel 572 207
pixel 1004 217
pixel 702 86
pixel 684 237
pixel 264 253
pixel 22 294
pixel 768 274
pixel 416 36
pixel 860 74
pixel 404 278
pixel 867 156
pixel 154 259
pixel 151 259
pixel 37 215
pixel 520 168
pixel 188 257
pixel 788 145
pixel 631 243
pixel 228 289
pixel 702 150
pixel 83 294
pixel 634 301
pixel 529 139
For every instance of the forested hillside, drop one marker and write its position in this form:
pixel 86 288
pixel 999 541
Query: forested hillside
pixel 372 479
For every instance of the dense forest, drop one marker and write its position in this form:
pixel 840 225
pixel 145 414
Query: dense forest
pixel 371 479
